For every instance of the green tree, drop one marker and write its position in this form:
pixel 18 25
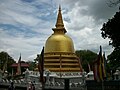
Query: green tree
pixel 114 59
pixel 36 59
pixel 32 65
pixel 86 57
pixel 112 3
pixel 111 30
pixel 4 56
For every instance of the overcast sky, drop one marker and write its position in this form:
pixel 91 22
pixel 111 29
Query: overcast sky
pixel 25 25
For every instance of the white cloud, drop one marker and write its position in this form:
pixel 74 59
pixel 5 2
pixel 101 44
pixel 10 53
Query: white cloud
pixel 20 44
pixel 85 18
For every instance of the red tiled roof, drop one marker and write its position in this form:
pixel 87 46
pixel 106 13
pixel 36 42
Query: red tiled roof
pixel 22 65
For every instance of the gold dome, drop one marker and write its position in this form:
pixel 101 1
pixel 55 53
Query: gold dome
pixel 59 43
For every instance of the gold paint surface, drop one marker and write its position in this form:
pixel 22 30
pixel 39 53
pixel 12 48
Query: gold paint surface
pixel 59 43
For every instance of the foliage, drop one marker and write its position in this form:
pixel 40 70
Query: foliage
pixel 3 57
pixel 114 59
pixel 112 3
pixel 111 30
pixel 86 57
pixel 32 65
pixel 36 59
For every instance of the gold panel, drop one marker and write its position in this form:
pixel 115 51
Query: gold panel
pixel 59 43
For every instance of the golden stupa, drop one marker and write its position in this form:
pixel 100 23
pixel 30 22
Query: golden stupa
pixel 59 54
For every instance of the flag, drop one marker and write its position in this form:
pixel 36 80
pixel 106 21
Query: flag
pixel 104 63
pixel 89 66
pixel 41 65
pixel 95 69
pixel 102 66
pixel 19 66
pixel 99 67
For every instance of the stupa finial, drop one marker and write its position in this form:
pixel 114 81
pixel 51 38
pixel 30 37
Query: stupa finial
pixel 59 22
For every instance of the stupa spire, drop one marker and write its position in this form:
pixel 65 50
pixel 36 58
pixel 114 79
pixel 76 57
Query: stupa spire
pixel 59 23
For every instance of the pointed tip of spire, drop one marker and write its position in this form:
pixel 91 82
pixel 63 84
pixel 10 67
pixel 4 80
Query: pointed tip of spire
pixel 100 49
pixel 59 7
pixel 59 22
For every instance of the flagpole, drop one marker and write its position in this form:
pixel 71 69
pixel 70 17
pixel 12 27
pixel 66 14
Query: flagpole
pixel 101 72
pixel 41 67
pixel 19 66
